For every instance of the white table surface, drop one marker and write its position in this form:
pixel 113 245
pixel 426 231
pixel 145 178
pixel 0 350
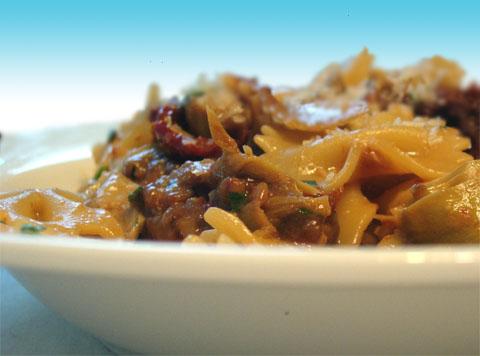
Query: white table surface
pixel 27 327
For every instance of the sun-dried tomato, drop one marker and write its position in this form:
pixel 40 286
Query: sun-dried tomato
pixel 176 140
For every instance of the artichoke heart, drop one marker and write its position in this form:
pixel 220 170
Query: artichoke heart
pixel 445 210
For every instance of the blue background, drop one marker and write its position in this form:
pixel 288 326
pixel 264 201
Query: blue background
pixel 70 61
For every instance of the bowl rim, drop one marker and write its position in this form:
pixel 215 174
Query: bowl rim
pixel 253 265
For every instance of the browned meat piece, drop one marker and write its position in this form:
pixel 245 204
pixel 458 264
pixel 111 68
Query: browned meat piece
pixel 174 204
pixel 298 218
pixel 461 108
pixel 146 165
pixel 302 228
pixel 178 221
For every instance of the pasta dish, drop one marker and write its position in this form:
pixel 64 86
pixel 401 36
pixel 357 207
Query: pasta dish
pixel 359 156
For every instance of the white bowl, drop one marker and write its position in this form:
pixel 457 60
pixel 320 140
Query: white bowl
pixel 165 298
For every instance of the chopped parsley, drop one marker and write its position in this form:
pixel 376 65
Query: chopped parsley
pixel 310 182
pixel 236 200
pixel 135 197
pixel 305 211
pixel 99 172
pixel 194 93
pixel 31 229
pixel 2 221
pixel 112 135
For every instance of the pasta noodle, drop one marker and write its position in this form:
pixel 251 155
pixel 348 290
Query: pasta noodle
pixel 55 211
pixel 229 225
pixel 336 181
pixel 354 214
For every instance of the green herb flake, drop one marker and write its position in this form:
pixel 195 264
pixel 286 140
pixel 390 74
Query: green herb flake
pixel 112 135
pixel 305 211
pixel 236 200
pixel 3 221
pixel 192 94
pixel 310 182
pixel 31 229
pixel 135 196
pixel 195 93
pixel 99 172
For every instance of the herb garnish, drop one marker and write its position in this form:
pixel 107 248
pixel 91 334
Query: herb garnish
pixel 310 182
pixel 236 200
pixel 112 135
pixel 99 172
pixel 135 197
pixel 194 93
pixel 31 229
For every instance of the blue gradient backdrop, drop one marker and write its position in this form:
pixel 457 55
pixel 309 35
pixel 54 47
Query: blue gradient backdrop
pixel 70 61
